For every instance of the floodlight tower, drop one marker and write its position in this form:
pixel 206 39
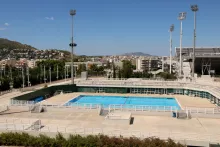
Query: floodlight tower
pixel 171 30
pixel 194 8
pixel 72 13
pixel 182 16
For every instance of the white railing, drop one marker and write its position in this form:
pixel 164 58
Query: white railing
pixel 213 138
pixel 7 91
pixel 120 107
pixel 195 110
pixel 73 105
pixel 21 103
pixel 142 108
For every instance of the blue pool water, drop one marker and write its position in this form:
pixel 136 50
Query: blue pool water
pixel 107 100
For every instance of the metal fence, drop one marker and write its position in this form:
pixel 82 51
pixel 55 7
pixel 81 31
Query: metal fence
pixel 119 107
pixel 21 102
pixel 73 105
pixel 143 108
pixel 203 110
pixel 8 91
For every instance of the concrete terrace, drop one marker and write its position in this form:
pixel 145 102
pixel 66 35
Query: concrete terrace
pixel 184 101
pixel 70 122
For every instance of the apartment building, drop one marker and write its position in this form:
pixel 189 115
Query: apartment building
pixel 9 61
pixel 148 63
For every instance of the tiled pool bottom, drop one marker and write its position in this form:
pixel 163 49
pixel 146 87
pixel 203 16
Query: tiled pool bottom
pixel 105 101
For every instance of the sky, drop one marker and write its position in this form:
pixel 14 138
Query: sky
pixel 109 27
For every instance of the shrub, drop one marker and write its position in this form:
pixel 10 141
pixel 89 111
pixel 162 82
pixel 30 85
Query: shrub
pixel 24 139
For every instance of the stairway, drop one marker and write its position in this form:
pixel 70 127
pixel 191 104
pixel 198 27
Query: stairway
pixel 37 109
pixel 186 69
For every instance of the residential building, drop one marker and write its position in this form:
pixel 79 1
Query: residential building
pixel 148 63
pixel 31 63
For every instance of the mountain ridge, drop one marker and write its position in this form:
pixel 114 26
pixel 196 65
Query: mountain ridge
pixel 135 54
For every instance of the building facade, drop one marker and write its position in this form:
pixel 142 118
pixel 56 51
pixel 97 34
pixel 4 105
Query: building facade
pixel 148 64
pixel 207 59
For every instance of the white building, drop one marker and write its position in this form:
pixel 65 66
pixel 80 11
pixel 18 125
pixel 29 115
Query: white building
pixel 148 63
pixel 31 63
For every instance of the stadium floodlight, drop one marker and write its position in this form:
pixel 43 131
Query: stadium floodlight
pixel 182 16
pixel 194 8
pixel 171 30
pixel 72 13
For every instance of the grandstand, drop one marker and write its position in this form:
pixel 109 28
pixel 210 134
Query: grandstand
pixel 207 59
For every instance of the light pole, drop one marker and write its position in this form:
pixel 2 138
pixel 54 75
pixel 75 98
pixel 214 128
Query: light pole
pixel 50 74
pixel 194 8
pixel 11 83
pixel 22 70
pixel 65 72
pixel 44 75
pixel 28 76
pixel 57 73
pixel 72 13
pixel 171 30
pixel 182 16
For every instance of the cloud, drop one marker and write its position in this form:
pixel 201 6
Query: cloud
pixel 49 18
pixel 6 24
pixel 1 29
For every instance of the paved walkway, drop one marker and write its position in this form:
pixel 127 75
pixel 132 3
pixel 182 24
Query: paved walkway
pixel 195 128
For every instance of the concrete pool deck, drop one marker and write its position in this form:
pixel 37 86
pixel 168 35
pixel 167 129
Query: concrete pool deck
pixel 183 100
pixel 70 122
pixel 73 121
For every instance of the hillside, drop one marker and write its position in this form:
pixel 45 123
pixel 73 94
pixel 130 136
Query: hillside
pixel 10 45
pixel 18 50
pixel 135 54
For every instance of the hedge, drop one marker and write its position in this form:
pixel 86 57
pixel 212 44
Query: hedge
pixel 24 139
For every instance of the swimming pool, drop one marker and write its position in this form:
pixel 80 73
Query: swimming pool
pixel 105 101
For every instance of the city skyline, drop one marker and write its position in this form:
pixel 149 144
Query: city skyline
pixel 110 27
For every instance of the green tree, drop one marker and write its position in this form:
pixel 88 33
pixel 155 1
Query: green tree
pixel 108 65
pixel 114 70
pixel 119 73
pixel 127 70
pixel 81 68
pixel 167 76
